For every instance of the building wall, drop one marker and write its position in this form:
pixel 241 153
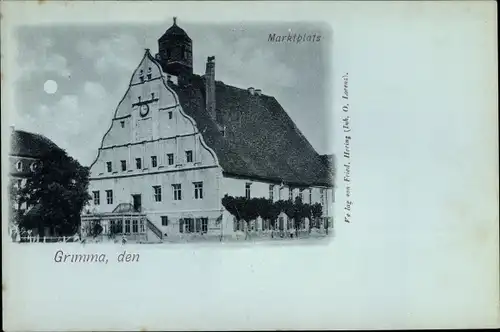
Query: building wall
pixel 165 129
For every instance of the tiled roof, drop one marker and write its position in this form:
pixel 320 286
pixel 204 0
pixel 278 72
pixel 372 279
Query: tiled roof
pixel 261 141
pixel 28 144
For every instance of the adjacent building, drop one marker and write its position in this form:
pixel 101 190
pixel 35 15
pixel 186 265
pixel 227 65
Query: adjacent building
pixel 26 155
pixel 179 142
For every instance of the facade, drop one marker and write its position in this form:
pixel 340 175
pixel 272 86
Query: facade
pixel 179 142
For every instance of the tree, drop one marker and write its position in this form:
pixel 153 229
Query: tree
pixel 242 208
pixel 316 212
pixel 59 188
pixel 96 229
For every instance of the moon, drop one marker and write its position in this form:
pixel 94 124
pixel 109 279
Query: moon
pixel 50 87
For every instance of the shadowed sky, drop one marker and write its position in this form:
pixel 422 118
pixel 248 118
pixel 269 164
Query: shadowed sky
pixel 92 66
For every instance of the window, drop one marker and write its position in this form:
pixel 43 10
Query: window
pixel 109 196
pixel 97 198
pixel 124 165
pixel 301 194
pixel 139 98
pixel 122 123
pixel 153 161
pixel 198 225
pixel 109 166
pixel 189 156
pixel 310 196
pixel 141 78
pixel 135 226
pixel 177 191
pixel 170 115
pixel 152 95
pixel 127 226
pixel 170 157
pixel 138 163
pixel 181 225
pixel 149 76
pixel 19 183
pixel 164 220
pixel 198 190
pixel 19 166
pixel 271 192
pixel 290 194
pixel 188 224
pixel 142 226
pixel 204 225
pixel 322 196
pixel 34 166
pixel 247 190
pixel 157 193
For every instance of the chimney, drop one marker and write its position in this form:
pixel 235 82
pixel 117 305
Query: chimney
pixel 251 90
pixel 210 86
pixel 258 92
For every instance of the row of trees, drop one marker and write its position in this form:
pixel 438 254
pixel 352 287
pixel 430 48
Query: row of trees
pixel 56 191
pixel 250 209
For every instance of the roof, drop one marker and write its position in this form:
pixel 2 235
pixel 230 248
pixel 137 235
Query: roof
pixel 26 144
pixel 261 141
pixel 174 31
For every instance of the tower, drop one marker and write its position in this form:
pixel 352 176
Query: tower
pixel 175 52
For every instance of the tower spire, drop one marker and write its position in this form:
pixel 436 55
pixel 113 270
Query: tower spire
pixel 175 20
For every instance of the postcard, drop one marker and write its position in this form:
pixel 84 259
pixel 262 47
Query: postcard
pixel 249 165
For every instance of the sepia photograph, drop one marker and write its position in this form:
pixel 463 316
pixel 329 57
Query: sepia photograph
pixel 172 133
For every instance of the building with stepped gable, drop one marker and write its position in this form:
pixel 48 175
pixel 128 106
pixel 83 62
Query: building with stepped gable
pixel 179 142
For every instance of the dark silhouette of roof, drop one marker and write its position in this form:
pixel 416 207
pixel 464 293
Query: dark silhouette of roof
pixel 260 141
pixel 174 31
pixel 26 144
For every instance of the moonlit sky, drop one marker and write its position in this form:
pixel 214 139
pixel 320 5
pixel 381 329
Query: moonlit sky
pixel 92 66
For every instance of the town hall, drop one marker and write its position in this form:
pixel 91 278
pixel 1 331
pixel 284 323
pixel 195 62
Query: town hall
pixel 179 142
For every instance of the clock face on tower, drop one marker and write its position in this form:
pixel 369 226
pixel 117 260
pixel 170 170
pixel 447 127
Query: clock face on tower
pixel 144 110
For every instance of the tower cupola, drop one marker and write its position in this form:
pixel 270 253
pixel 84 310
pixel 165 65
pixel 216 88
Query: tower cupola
pixel 175 51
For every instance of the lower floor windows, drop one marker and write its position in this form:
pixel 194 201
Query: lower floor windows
pixel 191 225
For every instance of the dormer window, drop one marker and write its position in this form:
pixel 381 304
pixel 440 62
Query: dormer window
pixel 34 166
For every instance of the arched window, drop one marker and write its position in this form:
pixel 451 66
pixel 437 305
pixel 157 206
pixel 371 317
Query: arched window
pixel 34 166
pixel 19 166
pixel 183 52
